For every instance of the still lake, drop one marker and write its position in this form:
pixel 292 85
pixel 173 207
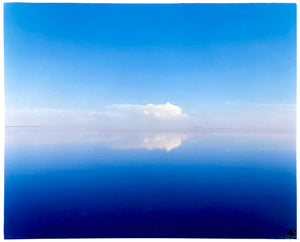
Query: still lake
pixel 62 183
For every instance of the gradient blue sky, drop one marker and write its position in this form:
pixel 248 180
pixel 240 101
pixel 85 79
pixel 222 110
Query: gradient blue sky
pixel 197 56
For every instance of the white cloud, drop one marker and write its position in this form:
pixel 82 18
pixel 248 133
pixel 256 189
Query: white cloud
pixel 275 105
pixel 166 111
pixel 270 105
pixel 149 116
pixel 160 117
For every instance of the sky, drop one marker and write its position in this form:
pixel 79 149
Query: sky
pixel 150 65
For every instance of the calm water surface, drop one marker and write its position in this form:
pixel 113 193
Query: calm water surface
pixel 76 184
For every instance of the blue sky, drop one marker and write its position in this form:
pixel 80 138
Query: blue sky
pixel 201 57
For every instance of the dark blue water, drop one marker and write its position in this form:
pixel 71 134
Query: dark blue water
pixel 222 186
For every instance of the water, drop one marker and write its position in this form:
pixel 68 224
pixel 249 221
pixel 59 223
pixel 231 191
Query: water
pixel 89 184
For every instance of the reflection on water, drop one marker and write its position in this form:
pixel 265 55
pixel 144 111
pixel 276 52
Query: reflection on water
pixel 150 141
pixel 123 139
pixel 114 139
pixel 161 141
pixel 100 183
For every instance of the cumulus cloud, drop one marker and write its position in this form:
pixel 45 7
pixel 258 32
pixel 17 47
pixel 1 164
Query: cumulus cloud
pixel 166 111
pixel 160 117
pixel 129 116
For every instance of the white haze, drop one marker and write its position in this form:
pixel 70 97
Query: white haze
pixel 160 117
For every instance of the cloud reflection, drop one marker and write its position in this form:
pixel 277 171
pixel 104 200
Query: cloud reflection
pixel 111 138
pixel 162 142
pixel 150 141
pixel 213 140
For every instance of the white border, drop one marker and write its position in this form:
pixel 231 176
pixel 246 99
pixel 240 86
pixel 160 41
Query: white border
pixel 125 1
pixel 151 1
